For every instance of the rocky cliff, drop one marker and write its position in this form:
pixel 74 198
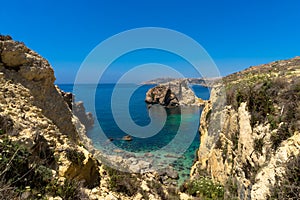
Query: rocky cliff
pixel 172 94
pixel 250 139
pixel 43 147
pixel 35 115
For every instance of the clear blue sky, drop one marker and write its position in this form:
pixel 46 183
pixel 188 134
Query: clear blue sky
pixel 236 33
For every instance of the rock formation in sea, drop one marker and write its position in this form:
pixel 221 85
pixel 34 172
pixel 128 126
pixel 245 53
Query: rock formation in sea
pixel 250 134
pixel 172 94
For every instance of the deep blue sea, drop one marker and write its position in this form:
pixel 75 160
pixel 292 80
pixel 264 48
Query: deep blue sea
pixel 185 119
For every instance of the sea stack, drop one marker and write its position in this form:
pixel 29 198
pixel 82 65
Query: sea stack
pixel 173 94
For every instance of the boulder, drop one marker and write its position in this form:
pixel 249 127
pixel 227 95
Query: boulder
pixel 88 172
pixel 14 54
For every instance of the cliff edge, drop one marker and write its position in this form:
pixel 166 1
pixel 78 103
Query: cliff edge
pixel 250 139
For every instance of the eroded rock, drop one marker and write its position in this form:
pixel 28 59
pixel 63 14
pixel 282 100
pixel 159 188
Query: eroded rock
pixel 86 118
pixel 173 94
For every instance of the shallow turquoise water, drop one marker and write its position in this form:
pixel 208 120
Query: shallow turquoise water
pixel 185 119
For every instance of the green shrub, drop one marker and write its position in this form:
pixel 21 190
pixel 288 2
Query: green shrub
pixel 122 182
pixel 288 187
pixel 76 157
pixel 204 188
pixel 262 95
pixel 42 176
pixel 69 190
pixel 14 163
pixel 20 171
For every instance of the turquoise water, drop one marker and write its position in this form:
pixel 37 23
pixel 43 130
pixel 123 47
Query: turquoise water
pixel 185 119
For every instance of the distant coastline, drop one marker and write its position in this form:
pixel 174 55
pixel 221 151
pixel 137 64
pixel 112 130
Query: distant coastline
pixel 205 82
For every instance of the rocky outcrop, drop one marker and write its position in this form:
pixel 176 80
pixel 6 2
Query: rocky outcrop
pixel 161 95
pixel 247 143
pixel 173 94
pixel 86 118
pixel 26 68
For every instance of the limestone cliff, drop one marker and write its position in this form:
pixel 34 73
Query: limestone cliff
pixel 250 133
pixel 34 113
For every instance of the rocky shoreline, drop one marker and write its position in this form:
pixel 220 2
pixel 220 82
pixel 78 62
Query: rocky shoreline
pixel 249 138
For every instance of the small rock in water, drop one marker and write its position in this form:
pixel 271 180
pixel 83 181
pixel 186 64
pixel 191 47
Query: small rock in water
pixel 127 138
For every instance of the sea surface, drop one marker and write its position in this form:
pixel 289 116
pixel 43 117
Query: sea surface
pixel 184 119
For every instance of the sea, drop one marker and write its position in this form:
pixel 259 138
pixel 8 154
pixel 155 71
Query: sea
pixel 179 124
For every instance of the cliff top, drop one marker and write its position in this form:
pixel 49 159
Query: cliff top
pixel 283 68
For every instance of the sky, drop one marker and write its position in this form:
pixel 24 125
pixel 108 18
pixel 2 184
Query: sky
pixel 235 33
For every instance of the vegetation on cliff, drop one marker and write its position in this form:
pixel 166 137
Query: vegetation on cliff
pixel 251 152
pixel 28 175
pixel 269 100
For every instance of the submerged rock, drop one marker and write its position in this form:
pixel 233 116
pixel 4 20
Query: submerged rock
pixel 127 138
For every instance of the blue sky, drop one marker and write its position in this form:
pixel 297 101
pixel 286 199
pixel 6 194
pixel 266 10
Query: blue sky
pixel 235 33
